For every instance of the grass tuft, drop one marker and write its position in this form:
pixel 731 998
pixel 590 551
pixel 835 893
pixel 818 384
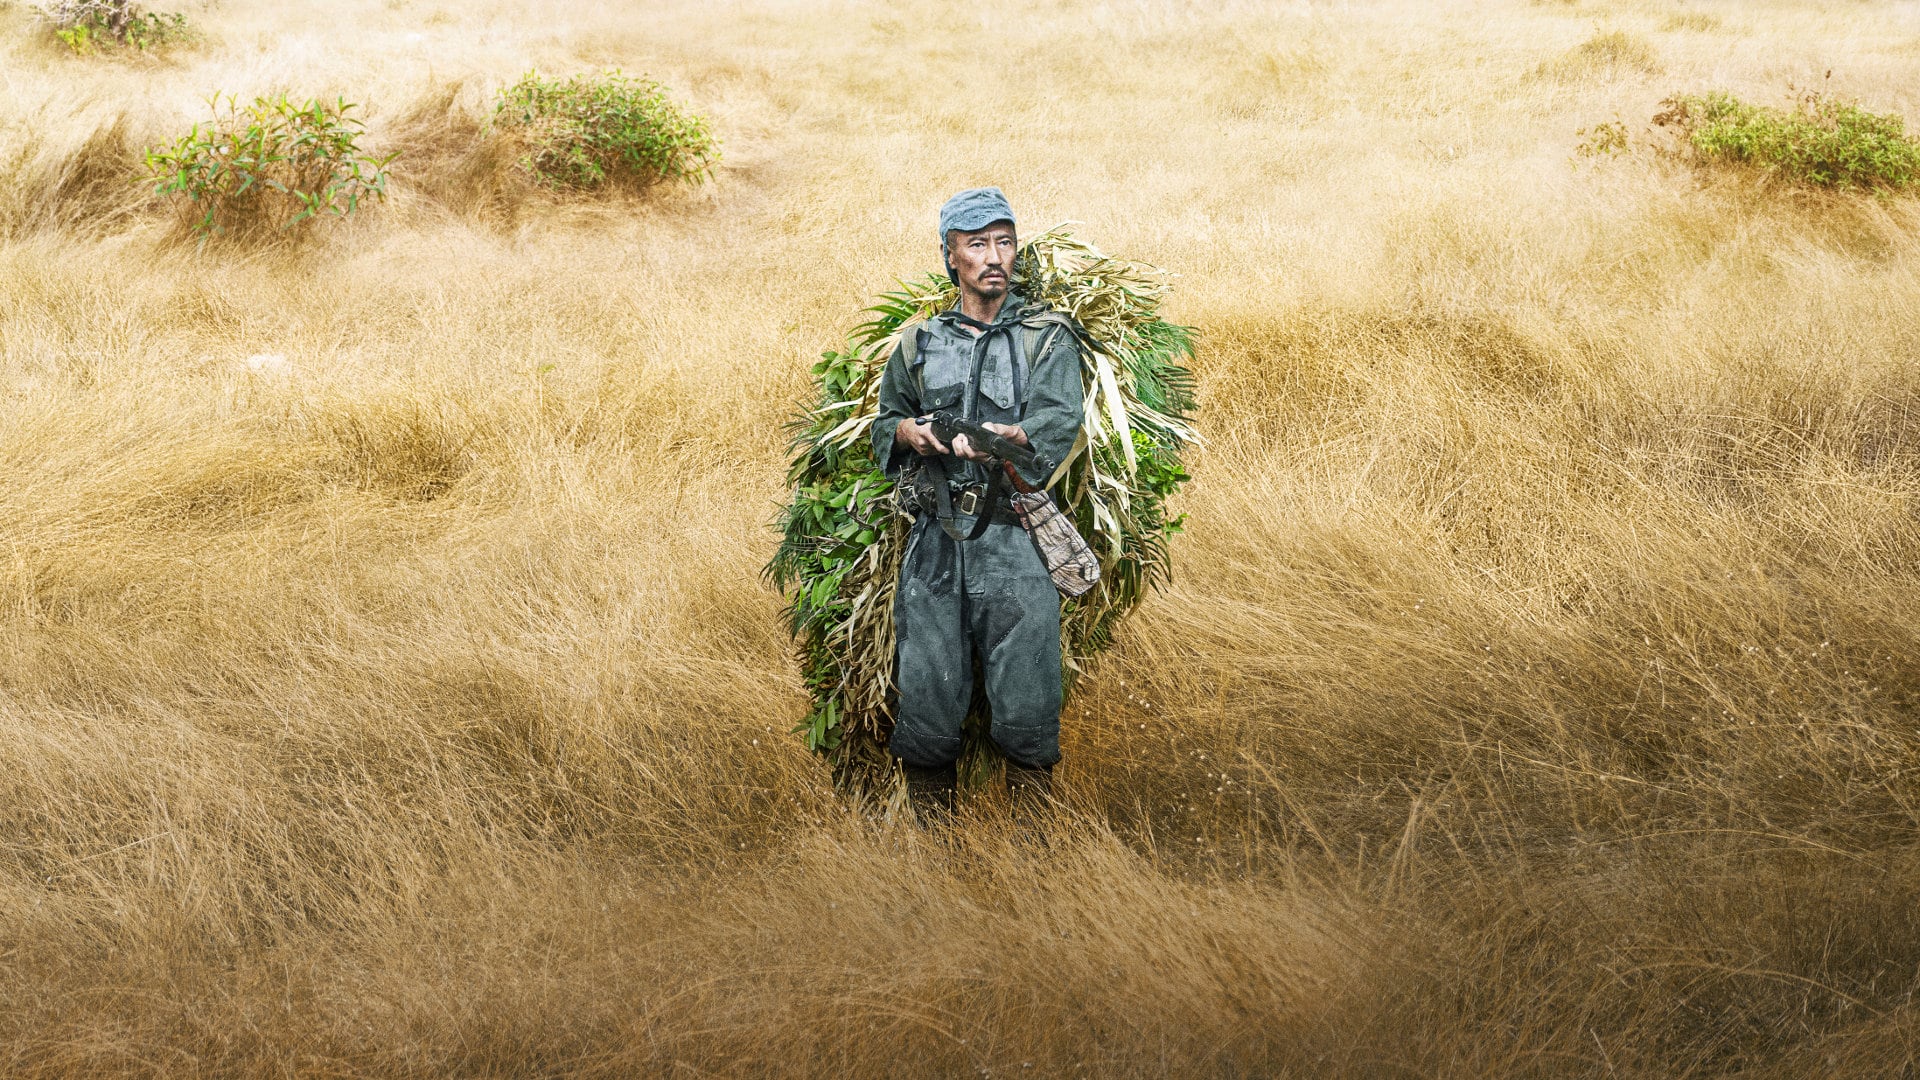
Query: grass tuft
pixel 1699 22
pixel 82 187
pixel 1604 55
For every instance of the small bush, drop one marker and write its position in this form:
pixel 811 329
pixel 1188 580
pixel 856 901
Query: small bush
pixel 87 26
pixel 590 130
pixel 1819 141
pixel 269 167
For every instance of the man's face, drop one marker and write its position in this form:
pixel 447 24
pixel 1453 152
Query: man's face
pixel 983 260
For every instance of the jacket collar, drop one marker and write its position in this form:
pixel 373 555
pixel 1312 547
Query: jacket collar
pixel 1010 311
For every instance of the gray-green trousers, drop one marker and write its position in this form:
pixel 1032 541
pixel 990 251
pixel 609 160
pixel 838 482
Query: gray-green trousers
pixel 991 595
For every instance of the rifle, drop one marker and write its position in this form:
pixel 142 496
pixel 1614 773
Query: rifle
pixel 992 443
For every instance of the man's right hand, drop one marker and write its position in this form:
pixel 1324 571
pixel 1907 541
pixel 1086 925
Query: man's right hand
pixel 919 438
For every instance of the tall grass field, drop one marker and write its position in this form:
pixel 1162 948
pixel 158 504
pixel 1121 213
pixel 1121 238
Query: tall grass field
pixel 388 687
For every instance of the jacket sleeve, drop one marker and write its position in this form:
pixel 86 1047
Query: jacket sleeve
pixel 1055 403
pixel 898 401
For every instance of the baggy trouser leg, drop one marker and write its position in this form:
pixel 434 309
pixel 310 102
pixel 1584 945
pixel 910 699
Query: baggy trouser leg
pixel 933 667
pixel 1016 621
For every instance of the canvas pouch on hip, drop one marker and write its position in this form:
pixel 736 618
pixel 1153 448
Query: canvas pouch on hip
pixel 1068 559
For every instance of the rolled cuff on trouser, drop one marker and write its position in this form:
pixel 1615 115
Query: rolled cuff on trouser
pixel 996 598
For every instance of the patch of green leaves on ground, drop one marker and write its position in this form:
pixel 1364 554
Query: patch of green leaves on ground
pixel 1603 140
pixel 591 130
pixel 269 167
pixel 1818 141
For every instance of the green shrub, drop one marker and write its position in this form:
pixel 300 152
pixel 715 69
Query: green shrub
pixel 1819 141
pixel 87 26
pixel 590 130
pixel 269 167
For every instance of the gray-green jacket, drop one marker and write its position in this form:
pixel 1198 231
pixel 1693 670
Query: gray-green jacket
pixel 1041 394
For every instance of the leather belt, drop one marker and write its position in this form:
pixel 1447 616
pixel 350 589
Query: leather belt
pixel 967 500
pixel 1005 515
pixel 928 491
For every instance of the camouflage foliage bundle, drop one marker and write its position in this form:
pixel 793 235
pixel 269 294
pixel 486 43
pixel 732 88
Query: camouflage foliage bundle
pixel 842 535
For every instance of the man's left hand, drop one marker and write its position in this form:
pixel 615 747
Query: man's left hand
pixel 963 446
pixel 1011 431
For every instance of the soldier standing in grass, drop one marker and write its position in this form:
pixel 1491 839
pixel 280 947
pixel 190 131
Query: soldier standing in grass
pixel 974 583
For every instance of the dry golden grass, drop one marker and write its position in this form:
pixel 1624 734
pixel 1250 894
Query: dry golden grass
pixel 1538 695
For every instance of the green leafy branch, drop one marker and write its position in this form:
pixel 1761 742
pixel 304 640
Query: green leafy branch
pixel 269 166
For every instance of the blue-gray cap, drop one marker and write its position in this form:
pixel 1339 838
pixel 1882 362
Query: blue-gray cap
pixel 974 209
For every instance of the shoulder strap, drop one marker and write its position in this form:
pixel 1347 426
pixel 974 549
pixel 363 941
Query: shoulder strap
pixel 1047 317
pixel 1044 326
pixel 910 340
pixel 1030 336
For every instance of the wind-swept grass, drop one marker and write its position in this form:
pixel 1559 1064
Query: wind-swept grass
pixel 1533 694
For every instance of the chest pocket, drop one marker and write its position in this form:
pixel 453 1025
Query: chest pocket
pixel 935 399
pixel 999 375
pixel 944 361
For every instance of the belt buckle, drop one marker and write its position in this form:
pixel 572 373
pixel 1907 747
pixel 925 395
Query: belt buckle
pixel 969 501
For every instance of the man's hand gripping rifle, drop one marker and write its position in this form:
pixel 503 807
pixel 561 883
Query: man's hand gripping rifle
pixel 1013 455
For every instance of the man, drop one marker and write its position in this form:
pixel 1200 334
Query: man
pixel 989 594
